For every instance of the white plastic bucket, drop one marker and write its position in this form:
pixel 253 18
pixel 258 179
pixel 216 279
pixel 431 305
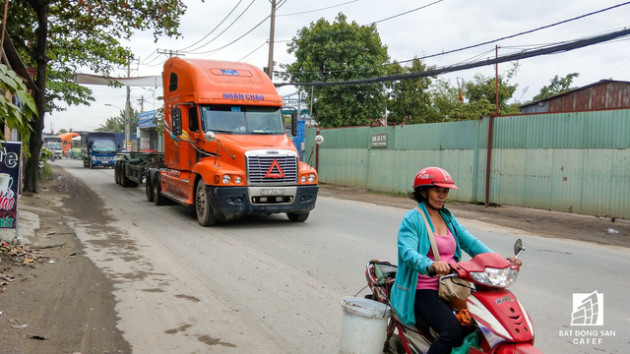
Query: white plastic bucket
pixel 364 326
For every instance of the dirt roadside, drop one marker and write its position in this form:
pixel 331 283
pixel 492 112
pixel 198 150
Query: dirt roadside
pixel 59 302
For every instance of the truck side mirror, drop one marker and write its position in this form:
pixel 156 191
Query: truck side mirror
pixel 294 123
pixel 176 121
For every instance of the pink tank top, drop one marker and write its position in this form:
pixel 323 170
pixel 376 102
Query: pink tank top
pixel 446 247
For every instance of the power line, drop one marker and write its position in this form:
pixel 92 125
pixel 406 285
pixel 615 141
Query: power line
pixel 253 51
pixel 565 47
pixel 478 44
pixel 191 51
pixel 407 12
pixel 323 8
pixel 215 28
pixel 236 40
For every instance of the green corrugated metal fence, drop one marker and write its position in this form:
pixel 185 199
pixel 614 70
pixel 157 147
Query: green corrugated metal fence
pixel 575 162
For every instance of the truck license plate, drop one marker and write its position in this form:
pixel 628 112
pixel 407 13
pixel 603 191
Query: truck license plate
pixel 270 191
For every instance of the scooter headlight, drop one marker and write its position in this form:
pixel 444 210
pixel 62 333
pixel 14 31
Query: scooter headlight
pixel 497 278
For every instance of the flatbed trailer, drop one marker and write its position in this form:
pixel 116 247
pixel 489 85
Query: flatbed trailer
pixel 131 168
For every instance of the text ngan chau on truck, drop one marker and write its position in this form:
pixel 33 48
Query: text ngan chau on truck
pixel 225 147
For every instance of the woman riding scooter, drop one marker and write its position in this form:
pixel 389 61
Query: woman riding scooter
pixel 415 293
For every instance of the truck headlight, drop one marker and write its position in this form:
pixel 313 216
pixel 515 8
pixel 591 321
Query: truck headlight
pixel 237 180
pixel 312 177
pixel 226 179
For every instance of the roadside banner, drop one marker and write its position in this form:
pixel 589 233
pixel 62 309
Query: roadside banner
pixel 10 153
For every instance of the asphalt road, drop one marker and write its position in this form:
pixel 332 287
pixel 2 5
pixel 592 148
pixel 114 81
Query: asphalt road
pixel 265 285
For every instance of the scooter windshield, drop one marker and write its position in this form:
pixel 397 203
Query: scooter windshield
pixel 242 119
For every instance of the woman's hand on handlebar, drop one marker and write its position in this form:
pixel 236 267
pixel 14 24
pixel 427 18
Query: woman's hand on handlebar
pixel 441 267
pixel 518 261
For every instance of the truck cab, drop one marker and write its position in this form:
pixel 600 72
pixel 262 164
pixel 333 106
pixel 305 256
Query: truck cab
pixel 225 147
pixel 98 149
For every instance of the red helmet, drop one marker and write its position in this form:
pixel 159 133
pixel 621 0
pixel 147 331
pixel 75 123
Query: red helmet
pixel 434 176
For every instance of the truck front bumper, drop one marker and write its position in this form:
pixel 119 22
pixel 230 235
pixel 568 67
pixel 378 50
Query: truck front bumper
pixel 230 203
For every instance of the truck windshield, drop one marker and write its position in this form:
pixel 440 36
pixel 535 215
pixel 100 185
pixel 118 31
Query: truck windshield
pixel 242 119
pixel 103 145
pixel 54 146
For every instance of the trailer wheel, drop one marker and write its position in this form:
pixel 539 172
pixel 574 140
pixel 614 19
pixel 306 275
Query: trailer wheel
pixel 116 171
pixel 158 199
pixel 202 206
pixel 295 217
pixel 148 186
pixel 124 181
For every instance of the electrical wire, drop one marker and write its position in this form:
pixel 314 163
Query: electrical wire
pixel 560 48
pixel 478 44
pixel 215 27
pixel 310 11
pixel 253 51
pixel 191 51
pixel 407 12
pixel 236 40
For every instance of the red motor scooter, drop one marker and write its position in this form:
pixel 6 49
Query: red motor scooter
pixel 498 322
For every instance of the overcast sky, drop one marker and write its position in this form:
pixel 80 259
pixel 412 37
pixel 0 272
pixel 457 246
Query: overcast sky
pixel 407 31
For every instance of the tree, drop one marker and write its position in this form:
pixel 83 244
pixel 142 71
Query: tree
pixel 410 99
pixel 57 37
pixel 444 99
pixel 557 86
pixel 481 95
pixel 117 124
pixel 11 114
pixel 335 52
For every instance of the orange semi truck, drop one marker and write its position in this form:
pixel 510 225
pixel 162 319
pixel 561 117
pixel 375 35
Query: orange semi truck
pixel 226 151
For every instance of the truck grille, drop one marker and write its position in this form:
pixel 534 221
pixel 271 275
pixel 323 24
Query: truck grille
pixel 272 169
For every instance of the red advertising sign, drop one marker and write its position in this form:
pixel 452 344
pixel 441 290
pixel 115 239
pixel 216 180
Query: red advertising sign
pixel 10 153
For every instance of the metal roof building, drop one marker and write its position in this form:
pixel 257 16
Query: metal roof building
pixel 605 94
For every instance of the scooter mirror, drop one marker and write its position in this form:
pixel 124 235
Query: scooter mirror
pixel 518 246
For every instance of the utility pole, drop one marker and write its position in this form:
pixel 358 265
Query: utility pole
pixel 128 111
pixel 171 53
pixel 271 39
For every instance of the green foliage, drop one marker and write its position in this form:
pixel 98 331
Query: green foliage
pixel 481 95
pixel 61 37
pixel 117 124
pixel 11 115
pixel 557 86
pixel 410 100
pixel 93 43
pixel 335 52
pixel 444 99
pixel 45 154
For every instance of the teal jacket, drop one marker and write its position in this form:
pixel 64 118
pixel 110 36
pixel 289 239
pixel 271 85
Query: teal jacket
pixel 413 247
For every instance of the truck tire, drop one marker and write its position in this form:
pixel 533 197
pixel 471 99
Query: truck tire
pixel 124 181
pixel 116 172
pixel 148 186
pixel 158 199
pixel 295 217
pixel 202 206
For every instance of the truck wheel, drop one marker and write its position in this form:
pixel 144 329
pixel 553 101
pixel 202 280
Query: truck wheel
pixel 116 171
pixel 124 181
pixel 202 206
pixel 148 187
pixel 158 199
pixel 90 164
pixel 295 217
